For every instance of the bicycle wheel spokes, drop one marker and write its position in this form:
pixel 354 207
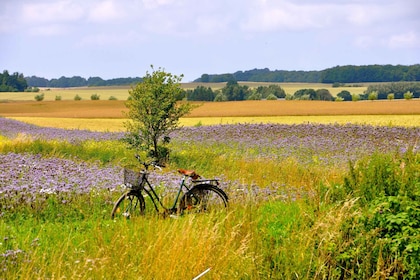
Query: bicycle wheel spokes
pixel 203 198
pixel 128 205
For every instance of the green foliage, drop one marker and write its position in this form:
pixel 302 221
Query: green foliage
pixel 154 113
pixel 391 96
pixel 58 98
pixel 373 95
pixel 408 95
pixel 271 97
pixel 201 93
pixel 266 91
pixel 346 95
pixel 112 98
pixel 77 97
pixel 14 82
pixel 371 73
pixel 324 94
pixel 382 238
pixel 235 92
pixel 39 97
pixel 280 227
pixel 398 89
pixel 77 81
pixel 355 97
pixel 95 96
pixel 336 75
pixel 305 94
pixel 220 97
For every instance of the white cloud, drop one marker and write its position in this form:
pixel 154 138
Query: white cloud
pixel 153 4
pixel 47 12
pixel 106 11
pixel 108 39
pixel 405 40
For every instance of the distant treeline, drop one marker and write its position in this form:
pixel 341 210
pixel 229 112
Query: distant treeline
pixel 77 81
pixel 233 91
pixel 338 74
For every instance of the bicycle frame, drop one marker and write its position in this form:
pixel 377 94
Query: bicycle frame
pixel 150 191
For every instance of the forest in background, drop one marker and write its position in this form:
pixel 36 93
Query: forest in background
pixel 336 75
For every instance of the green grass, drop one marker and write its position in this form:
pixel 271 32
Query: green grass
pixel 289 238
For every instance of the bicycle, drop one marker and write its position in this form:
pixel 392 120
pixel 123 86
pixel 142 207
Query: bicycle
pixel 201 195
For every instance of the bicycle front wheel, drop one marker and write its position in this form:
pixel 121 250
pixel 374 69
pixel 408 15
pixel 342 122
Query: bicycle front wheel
pixel 129 205
pixel 203 198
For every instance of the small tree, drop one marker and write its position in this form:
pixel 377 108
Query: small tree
pixel 345 95
pixel 154 113
pixel 373 95
pixel 95 96
pixel 355 97
pixel 408 95
pixel 39 97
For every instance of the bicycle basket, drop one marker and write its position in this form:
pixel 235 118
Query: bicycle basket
pixel 132 178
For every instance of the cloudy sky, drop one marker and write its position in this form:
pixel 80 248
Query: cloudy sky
pixel 122 38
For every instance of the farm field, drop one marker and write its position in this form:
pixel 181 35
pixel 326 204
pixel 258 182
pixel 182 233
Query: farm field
pixel 318 190
pixel 98 124
pixel 109 115
pixel 121 92
pixel 115 109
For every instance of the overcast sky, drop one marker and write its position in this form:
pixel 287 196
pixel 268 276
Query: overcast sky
pixel 122 38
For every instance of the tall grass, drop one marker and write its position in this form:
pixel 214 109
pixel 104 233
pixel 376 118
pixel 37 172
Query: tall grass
pixel 316 227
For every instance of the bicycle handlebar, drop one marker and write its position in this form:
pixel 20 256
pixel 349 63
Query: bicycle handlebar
pixel 147 164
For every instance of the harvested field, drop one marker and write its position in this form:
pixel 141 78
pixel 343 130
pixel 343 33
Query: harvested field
pixel 114 109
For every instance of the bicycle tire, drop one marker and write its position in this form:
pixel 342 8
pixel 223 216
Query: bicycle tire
pixel 203 198
pixel 130 204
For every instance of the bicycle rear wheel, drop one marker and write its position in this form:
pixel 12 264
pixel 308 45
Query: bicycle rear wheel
pixel 203 198
pixel 129 205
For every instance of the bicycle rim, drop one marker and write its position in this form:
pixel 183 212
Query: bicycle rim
pixel 128 205
pixel 203 198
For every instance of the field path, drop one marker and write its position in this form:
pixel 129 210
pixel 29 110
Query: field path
pixel 114 109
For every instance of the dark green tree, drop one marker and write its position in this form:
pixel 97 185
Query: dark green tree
pixel 14 82
pixel 201 93
pixel 346 95
pixel 154 112
pixel 235 92
pixel 324 94
pixel 302 93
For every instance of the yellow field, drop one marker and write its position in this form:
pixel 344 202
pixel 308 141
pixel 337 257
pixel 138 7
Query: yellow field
pixel 121 92
pixel 118 124
pixel 104 115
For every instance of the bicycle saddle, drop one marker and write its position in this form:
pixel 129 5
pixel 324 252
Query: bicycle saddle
pixel 189 173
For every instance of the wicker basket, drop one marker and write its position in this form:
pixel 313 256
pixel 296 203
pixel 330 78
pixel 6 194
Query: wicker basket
pixel 132 178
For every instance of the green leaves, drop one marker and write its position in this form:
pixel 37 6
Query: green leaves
pixel 154 113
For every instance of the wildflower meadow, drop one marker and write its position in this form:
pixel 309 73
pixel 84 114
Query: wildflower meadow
pixel 307 201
